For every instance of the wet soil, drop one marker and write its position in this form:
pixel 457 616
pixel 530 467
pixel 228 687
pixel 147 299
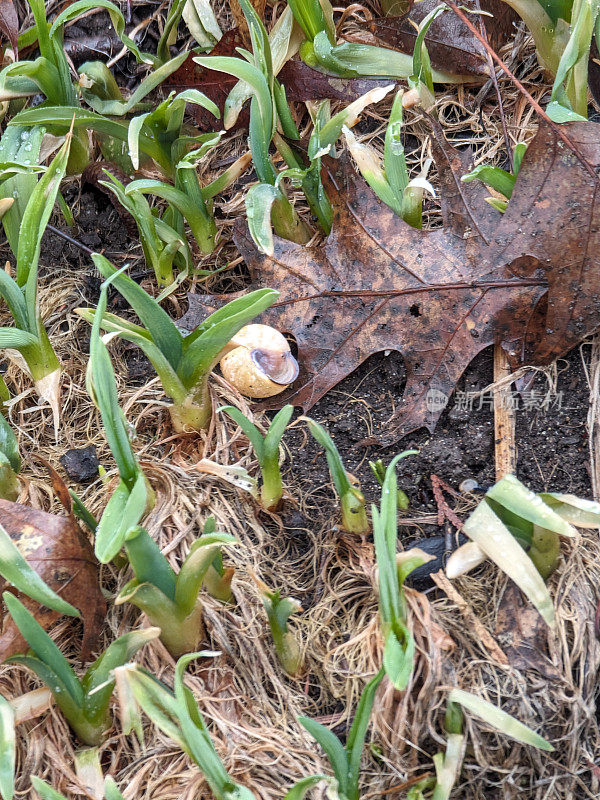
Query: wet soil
pixel 551 432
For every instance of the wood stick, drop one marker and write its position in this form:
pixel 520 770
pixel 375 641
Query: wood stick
pixel 505 448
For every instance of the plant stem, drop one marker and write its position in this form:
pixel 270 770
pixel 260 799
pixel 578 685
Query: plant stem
pixel 272 487
pixel 179 632
pixel 217 580
pixel 287 223
pixel 194 412
pixel 90 732
pixel 550 40
pixel 354 515
pixel 203 226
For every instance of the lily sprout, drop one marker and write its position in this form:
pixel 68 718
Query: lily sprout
pixel 266 449
pixel 85 702
pixel 352 501
pixel 29 336
pixel 390 180
pixel 183 363
pixel 393 569
pixel 170 601
pixel 520 531
pixel 498 179
pixel 279 609
pixel 345 759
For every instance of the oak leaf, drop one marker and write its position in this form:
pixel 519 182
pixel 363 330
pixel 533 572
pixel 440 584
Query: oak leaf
pixel 57 550
pixel 528 279
pixel 450 44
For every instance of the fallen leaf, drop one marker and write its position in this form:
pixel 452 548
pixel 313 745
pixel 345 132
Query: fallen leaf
pixel 57 550
pixel 451 46
pixel 305 83
pixel 523 634
pixel 215 85
pixel 240 19
pixel 9 22
pixel 528 279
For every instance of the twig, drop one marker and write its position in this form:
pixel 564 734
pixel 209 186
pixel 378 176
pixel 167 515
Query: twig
pixel 505 448
pixel 556 128
pixel 70 239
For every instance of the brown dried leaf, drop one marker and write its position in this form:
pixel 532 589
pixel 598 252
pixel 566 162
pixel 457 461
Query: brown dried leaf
pixel 523 634
pixel 9 22
pixel 528 279
pixel 215 85
pixel 240 19
pixel 57 550
pixel 451 46
pixel 305 83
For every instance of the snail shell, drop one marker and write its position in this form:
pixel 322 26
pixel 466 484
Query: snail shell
pixel 259 362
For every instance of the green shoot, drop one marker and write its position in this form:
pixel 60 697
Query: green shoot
pixel 202 23
pixel 393 568
pixel 183 364
pixel 345 761
pixel 421 80
pixel 46 792
pixel 7 750
pixel 498 179
pixel 390 180
pixel 218 577
pixel 10 462
pixel 520 532
pixel 170 601
pixel 378 470
pixel 498 719
pixel 21 146
pixel 85 702
pixel 50 73
pixel 568 101
pixel 352 59
pixel 133 496
pixel 562 31
pixel 314 17
pixel 179 153
pixel 266 449
pixel 28 335
pixel 17 572
pixel 267 105
pixel 177 715
pixel 279 609
pixel 447 765
pixel 326 132
pixel 352 501
pixel 283 43
pixel 160 242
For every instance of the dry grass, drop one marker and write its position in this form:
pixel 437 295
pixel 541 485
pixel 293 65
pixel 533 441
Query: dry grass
pixel 250 704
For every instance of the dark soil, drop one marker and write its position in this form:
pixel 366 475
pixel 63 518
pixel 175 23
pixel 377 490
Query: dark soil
pixel 551 433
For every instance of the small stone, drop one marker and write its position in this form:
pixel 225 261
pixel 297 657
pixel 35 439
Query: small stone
pixel 81 464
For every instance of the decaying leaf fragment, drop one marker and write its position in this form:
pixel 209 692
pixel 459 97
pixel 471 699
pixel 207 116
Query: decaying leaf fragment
pixel 450 44
pixel 528 279
pixel 57 550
